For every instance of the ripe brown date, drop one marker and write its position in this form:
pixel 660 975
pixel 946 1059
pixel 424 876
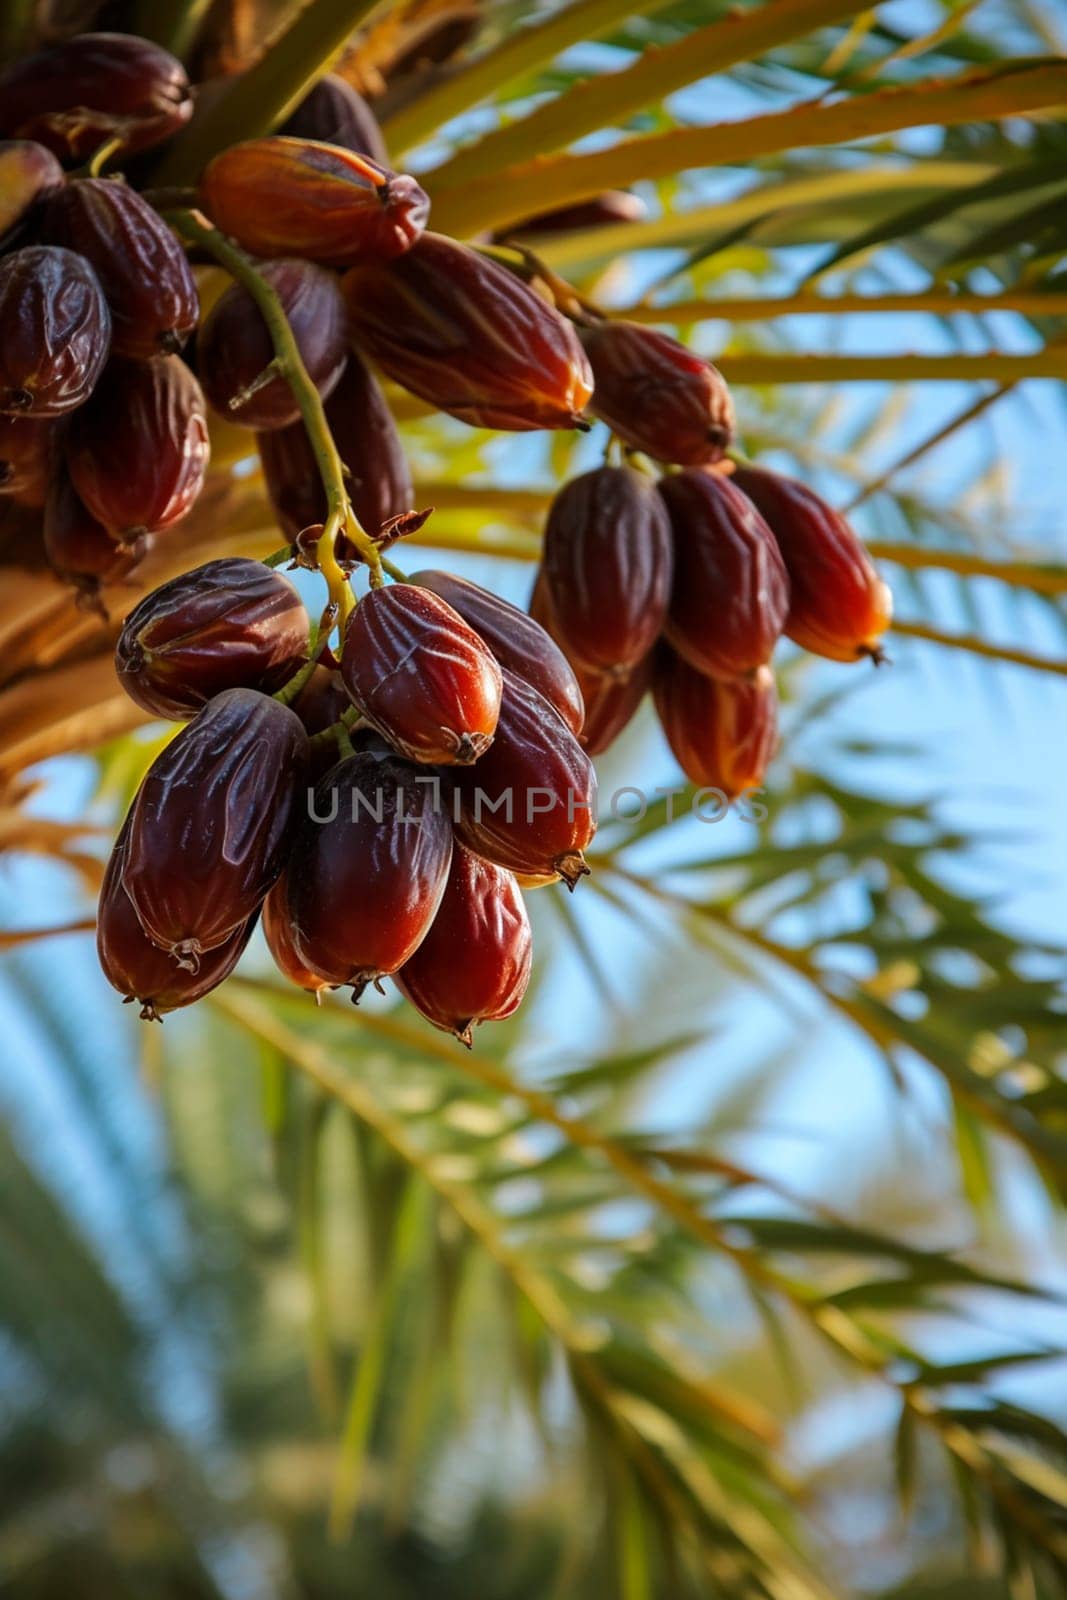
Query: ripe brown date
pixel 25 448
pixel 519 642
pixel 138 451
pixel 839 606
pixel 302 197
pixel 474 964
pixel 28 172
pixel 278 932
pixel 139 969
pixel 230 624
pixel 147 281
pixel 55 331
pixel 468 336
pixel 529 803
pixel 234 348
pixel 731 591
pixel 212 821
pixel 610 702
pixel 366 881
pixel 611 705
pixel 334 113
pixel 378 478
pixel 607 566
pixel 79 550
pixel 75 95
pixel 421 676
pixel 656 395
pixel 723 731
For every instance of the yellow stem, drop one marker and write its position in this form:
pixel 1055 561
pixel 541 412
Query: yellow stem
pixel 765 308
pixel 341 519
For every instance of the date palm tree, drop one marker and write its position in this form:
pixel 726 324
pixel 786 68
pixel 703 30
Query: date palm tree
pixel 724 1268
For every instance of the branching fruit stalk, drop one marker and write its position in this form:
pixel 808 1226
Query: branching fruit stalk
pixel 341 518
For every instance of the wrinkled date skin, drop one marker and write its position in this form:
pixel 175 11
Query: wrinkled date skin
pixel 839 606
pixel 278 932
pixel 212 821
pixel 378 477
pixel 300 197
pixel 138 452
pixel 25 449
pixel 55 331
pixel 230 624
pixel 611 705
pixel 421 676
pixel 28 173
pixel 469 337
pixel 147 281
pixel 79 550
pixel 731 590
pixel 234 345
pixel 607 566
pixel 610 702
pixel 519 642
pixel 723 731
pixel 474 964
pixel 365 885
pixel 139 969
pixel 543 788
pixel 333 113
pixel 75 95
pixel 657 395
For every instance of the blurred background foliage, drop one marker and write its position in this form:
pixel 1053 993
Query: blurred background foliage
pixel 733 1265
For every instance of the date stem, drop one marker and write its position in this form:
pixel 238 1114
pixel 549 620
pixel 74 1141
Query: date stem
pixel 341 519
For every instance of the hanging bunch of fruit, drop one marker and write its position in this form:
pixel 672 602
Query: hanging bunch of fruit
pixel 379 783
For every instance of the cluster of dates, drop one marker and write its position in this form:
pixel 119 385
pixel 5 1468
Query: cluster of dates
pixel 382 822
pixel 381 806
pixel 102 426
pixel 684 585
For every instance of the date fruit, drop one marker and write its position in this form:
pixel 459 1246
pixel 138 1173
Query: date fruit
pixel 79 550
pixel 55 331
pixel 334 113
pixel 147 281
pixel 212 821
pixel 139 969
pixel 474 964
pixel 138 451
pixel 839 606
pixel 607 566
pixel 366 881
pixel 428 683
pixel 723 731
pixel 518 642
pixel 377 476
pixel 658 396
pixel 529 804
pixel 278 932
pixel 25 450
pixel 75 95
pixel 611 705
pixel 28 173
pixel 731 591
pixel 230 624
pixel 234 348
pixel 300 197
pixel 468 336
